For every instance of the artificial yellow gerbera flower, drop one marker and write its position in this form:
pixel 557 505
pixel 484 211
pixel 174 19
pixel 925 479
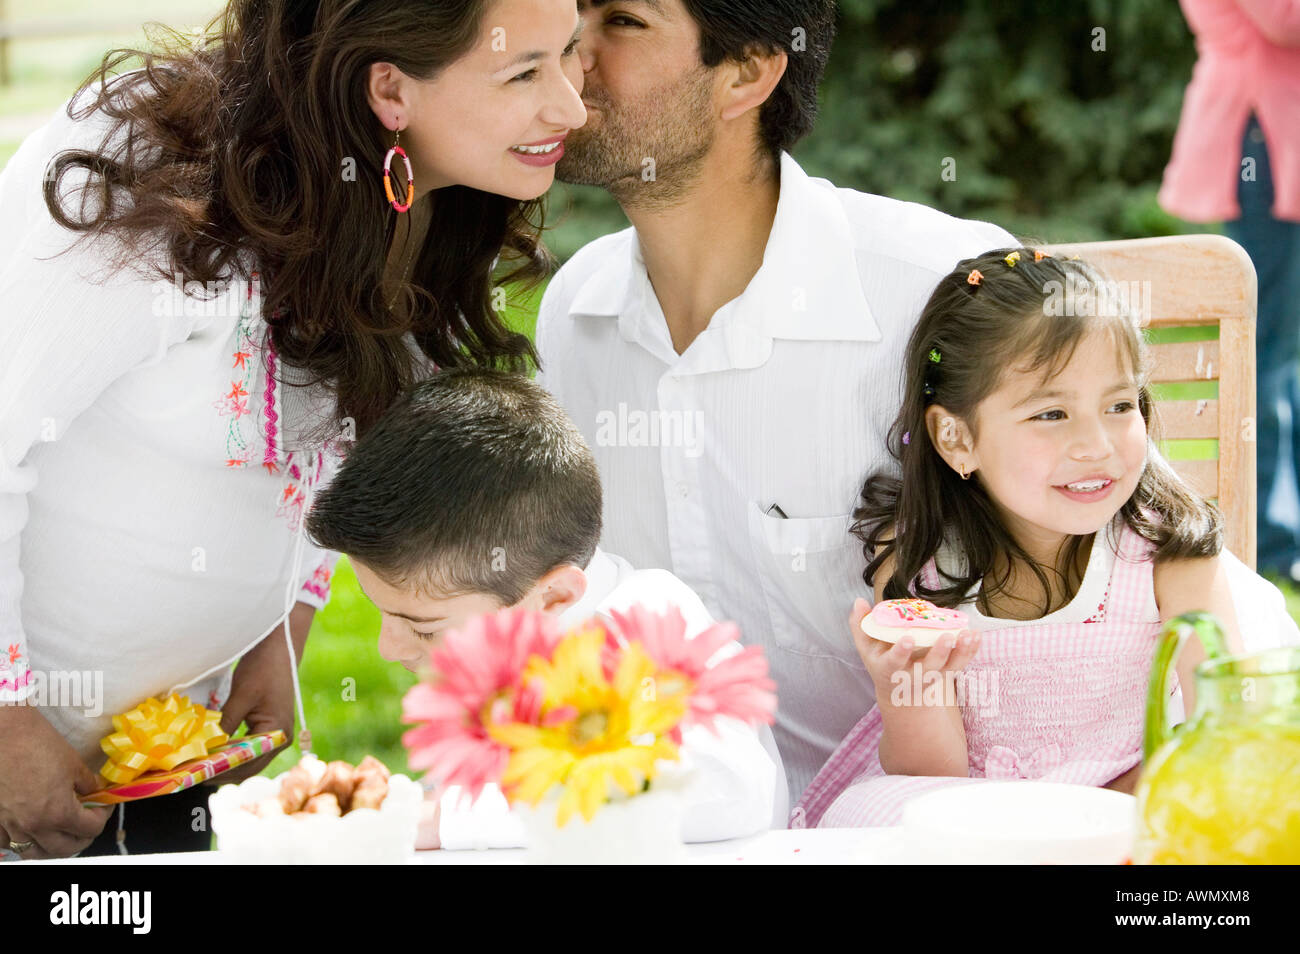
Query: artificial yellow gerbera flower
pixel 593 732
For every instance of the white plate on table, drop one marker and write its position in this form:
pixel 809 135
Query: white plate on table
pixel 1019 822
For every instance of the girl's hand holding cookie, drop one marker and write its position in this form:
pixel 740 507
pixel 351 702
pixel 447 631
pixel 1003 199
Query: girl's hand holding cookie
pixel 949 649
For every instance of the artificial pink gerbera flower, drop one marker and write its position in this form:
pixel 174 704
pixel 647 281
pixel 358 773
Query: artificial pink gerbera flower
pixel 478 671
pixel 735 685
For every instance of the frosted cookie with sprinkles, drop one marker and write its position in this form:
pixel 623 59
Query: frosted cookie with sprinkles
pixel 891 620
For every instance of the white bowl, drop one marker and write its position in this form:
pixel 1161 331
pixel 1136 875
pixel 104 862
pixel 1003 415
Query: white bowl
pixel 1022 822
pixel 362 836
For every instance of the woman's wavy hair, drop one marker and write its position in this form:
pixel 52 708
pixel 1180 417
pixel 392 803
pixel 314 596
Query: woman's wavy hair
pixel 236 149
pixel 1030 315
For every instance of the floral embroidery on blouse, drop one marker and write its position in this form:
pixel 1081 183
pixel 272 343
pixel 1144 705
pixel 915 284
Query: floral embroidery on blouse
pixel 294 495
pixel 302 470
pixel 234 404
pixel 319 584
pixel 241 430
pixel 14 673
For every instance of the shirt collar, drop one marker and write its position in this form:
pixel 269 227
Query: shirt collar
pixel 606 293
pixel 807 289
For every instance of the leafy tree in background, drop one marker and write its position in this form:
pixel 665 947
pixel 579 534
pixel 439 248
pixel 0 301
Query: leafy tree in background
pixel 1056 118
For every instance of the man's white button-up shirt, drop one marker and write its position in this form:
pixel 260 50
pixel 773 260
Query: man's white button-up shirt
pixel 780 406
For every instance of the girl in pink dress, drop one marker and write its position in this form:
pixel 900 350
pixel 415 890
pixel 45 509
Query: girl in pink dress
pixel 1032 497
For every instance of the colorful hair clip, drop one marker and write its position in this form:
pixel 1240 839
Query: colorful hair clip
pixel 1039 255
pixel 975 277
pixel 1012 259
pixel 935 356
pixel 907 437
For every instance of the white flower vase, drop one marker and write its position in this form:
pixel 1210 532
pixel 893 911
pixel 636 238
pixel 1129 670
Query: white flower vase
pixel 645 829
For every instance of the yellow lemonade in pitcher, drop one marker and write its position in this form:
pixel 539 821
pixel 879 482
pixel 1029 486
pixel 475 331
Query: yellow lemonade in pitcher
pixel 1231 796
pixel 1224 788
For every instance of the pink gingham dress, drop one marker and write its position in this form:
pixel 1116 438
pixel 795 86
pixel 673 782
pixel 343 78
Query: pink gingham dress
pixel 1067 706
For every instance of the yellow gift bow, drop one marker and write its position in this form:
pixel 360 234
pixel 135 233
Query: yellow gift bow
pixel 159 735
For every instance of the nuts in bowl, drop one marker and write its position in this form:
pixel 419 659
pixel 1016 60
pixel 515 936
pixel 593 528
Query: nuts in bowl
pixel 318 813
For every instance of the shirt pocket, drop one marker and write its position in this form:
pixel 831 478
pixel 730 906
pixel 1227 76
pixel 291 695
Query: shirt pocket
pixel 810 570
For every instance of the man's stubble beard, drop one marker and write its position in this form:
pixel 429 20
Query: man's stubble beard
pixel 647 153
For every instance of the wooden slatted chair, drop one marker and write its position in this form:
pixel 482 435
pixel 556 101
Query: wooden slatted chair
pixel 1205 386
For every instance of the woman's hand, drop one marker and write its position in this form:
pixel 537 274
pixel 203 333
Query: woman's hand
pixel 261 693
pixel 884 660
pixel 41 777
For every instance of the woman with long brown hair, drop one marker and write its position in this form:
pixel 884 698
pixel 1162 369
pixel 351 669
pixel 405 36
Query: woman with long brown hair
pixel 217 270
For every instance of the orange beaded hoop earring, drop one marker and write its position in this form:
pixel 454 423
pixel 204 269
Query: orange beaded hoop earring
pixel 397 150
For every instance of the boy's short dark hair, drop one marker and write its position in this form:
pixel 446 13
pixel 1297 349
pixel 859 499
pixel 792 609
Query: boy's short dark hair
pixel 474 481
pixel 731 29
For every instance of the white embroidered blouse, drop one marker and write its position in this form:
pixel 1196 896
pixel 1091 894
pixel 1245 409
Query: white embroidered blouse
pixel 152 481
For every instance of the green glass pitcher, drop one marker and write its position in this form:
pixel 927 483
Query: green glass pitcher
pixel 1224 787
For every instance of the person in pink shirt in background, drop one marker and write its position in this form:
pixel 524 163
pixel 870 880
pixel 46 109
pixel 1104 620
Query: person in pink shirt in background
pixel 1236 160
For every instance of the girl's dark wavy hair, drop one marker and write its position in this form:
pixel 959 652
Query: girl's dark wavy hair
pixel 978 332
pixel 235 149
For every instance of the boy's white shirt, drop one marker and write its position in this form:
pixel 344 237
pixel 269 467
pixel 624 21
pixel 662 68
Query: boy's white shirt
pixel 737 786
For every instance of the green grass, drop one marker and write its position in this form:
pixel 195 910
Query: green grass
pixel 521 309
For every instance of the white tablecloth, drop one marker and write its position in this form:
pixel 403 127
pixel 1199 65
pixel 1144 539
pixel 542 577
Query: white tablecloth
pixel 809 847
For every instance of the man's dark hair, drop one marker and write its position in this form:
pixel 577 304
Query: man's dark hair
pixel 475 481
pixel 732 29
